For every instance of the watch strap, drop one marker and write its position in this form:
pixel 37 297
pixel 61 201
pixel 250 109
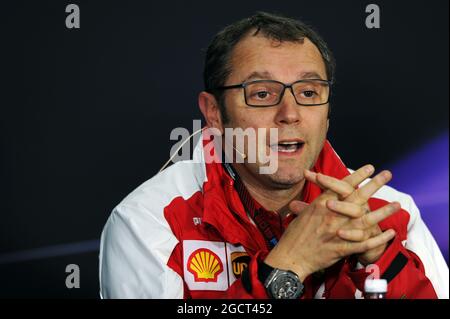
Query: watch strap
pixel 264 270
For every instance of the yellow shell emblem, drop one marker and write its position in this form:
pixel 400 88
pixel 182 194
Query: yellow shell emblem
pixel 205 265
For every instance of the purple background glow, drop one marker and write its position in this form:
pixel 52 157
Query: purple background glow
pixel 424 175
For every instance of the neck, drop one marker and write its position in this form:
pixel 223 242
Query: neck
pixel 271 198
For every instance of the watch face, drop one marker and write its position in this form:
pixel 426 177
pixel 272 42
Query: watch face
pixel 285 285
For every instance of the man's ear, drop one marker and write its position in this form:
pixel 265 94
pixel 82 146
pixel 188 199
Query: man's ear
pixel 210 110
pixel 328 124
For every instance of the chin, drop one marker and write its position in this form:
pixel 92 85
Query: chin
pixel 285 180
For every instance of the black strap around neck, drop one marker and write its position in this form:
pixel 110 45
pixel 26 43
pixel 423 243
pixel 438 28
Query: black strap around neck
pixel 258 215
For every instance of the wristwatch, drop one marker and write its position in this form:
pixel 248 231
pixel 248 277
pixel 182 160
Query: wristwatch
pixel 280 284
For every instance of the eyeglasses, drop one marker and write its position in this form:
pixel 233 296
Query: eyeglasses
pixel 263 93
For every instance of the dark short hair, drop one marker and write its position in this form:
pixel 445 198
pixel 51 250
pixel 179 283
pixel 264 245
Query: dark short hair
pixel 273 26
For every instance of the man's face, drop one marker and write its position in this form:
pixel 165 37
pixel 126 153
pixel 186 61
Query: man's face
pixel 259 58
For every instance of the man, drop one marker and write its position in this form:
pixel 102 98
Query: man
pixel 202 229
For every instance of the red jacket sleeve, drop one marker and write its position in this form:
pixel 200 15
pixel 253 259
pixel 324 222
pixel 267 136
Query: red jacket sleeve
pixel 404 272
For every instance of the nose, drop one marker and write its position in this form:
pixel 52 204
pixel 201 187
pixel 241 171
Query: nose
pixel 288 111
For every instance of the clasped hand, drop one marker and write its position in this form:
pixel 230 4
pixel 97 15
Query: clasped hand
pixel 335 225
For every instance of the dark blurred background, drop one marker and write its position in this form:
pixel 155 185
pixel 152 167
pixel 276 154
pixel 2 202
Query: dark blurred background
pixel 86 114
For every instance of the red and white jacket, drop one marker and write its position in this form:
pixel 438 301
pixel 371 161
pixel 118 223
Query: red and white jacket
pixel 185 234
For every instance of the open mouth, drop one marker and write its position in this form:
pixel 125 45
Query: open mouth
pixel 287 147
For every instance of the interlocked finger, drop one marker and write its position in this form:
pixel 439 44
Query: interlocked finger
pixel 371 243
pixel 358 176
pixel 347 208
pixel 357 235
pixel 362 194
pixel 372 219
pixel 360 228
pixel 343 188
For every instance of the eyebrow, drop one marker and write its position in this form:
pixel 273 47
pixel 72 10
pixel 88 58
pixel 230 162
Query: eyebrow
pixel 268 76
pixel 259 75
pixel 310 75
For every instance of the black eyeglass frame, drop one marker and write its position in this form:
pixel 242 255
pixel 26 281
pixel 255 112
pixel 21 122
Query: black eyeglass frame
pixel 285 86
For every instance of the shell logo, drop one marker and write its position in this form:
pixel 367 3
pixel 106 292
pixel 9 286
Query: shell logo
pixel 205 265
